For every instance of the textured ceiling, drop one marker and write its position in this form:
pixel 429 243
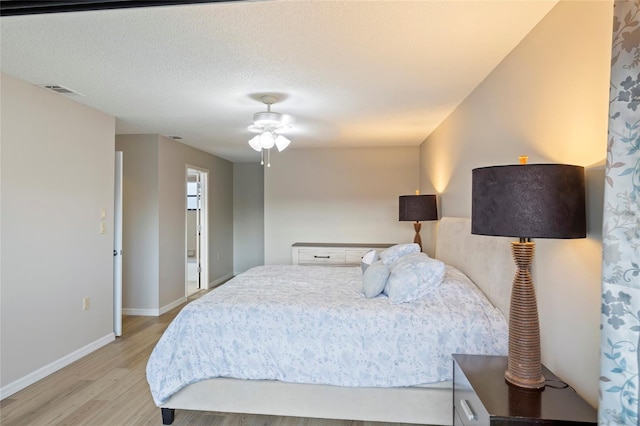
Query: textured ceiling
pixel 349 73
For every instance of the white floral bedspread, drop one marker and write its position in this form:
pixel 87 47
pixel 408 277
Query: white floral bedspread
pixel 313 324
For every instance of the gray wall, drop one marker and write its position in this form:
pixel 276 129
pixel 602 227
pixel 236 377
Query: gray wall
pixel 337 195
pixel 248 216
pixel 57 170
pixel 548 99
pixel 154 222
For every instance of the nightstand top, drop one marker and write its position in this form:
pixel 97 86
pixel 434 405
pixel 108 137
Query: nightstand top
pixel 502 400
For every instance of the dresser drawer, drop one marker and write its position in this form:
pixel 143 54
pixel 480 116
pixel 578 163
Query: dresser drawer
pixel 332 254
pixel 320 256
pixel 353 257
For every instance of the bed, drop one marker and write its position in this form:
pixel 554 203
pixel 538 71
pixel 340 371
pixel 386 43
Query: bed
pixel 419 391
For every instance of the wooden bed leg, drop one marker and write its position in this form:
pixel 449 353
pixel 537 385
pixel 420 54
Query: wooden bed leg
pixel 168 415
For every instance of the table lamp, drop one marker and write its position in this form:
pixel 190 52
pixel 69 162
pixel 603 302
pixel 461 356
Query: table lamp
pixel 527 201
pixel 416 208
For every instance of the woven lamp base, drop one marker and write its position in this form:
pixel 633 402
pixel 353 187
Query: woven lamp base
pixel 524 368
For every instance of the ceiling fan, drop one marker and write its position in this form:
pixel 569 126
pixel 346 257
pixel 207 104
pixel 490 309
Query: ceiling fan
pixel 268 124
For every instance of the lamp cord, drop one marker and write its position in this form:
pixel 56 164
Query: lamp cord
pixel 562 385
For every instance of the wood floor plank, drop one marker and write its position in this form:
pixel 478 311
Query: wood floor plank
pixel 81 414
pixel 109 388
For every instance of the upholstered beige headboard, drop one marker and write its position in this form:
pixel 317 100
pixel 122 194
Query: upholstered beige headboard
pixel 486 260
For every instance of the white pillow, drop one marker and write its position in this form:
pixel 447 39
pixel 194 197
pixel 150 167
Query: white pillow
pixel 412 277
pixel 374 279
pixel 368 258
pixel 393 253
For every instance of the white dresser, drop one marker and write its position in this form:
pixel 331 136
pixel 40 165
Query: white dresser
pixel 331 254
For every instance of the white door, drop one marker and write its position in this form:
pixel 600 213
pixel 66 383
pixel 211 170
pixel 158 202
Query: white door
pixel 198 230
pixel 203 231
pixel 117 247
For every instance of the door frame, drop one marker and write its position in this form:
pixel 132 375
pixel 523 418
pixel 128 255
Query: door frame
pixel 117 244
pixel 203 221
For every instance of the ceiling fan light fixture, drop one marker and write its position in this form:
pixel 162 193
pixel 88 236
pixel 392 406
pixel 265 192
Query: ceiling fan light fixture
pixel 267 140
pixel 254 143
pixel 282 143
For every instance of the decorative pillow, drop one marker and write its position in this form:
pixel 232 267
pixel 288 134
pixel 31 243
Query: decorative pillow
pixel 368 258
pixel 393 253
pixel 412 277
pixel 374 279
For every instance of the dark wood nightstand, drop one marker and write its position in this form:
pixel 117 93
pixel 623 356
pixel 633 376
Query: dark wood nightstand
pixel 482 397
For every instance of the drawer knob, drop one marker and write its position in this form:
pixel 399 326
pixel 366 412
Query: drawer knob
pixel 321 257
pixel 467 410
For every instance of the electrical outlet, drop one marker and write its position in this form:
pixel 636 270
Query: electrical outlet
pixel 86 303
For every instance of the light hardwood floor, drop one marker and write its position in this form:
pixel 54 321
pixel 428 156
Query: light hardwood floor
pixel 108 388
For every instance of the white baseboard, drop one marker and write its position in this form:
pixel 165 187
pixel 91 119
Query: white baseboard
pixel 154 312
pixel 221 280
pixel 170 306
pixel 48 369
pixel 141 312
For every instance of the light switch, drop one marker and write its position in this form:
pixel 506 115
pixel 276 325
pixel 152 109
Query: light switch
pixel 103 213
pixel 103 228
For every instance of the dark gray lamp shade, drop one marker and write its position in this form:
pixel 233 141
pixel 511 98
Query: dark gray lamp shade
pixel 418 207
pixel 529 201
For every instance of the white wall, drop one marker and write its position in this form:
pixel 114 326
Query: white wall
pixel 248 216
pixel 337 195
pixel 57 173
pixel 548 99
pixel 154 253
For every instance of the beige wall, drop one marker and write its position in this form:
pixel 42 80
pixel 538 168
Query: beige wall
pixel 548 99
pixel 191 231
pixel 140 221
pixel 173 161
pixel 337 195
pixel 248 216
pixel 57 173
pixel 154 251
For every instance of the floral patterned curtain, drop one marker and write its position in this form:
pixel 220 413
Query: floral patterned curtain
pixel 620 337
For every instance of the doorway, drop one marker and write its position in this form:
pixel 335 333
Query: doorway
pixel 196 235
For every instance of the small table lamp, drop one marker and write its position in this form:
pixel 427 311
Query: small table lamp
pixel 416 208
pixel 527 201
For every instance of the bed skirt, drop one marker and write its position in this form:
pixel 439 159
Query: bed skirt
pixel 427 405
